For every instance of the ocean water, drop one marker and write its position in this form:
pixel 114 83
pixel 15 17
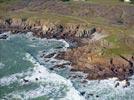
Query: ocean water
pixel 26 75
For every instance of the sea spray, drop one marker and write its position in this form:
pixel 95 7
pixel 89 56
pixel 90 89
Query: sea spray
pixel 59 83
pixel 42 73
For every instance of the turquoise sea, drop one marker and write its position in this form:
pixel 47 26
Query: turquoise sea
pixel 26 75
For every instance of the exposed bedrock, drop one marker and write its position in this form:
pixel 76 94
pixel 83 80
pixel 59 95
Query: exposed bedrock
pixel 73 33
pixel 83 59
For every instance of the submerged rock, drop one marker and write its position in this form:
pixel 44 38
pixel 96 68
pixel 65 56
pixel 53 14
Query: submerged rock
pixel 82 93
pixel 3 37
pixel 51 68
pixel 36 79
pixel 117 84
pixel 49 55
pixel 25 80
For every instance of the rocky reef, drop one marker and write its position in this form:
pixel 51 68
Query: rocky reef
pixel 96 67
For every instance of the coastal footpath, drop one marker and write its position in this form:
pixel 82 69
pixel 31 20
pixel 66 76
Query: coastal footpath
pixel 101 36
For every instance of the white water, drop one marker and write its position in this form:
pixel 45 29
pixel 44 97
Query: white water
pixel 58 84
pixel 44 76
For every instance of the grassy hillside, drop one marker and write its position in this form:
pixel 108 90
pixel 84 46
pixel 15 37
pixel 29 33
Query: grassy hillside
pixel 113 16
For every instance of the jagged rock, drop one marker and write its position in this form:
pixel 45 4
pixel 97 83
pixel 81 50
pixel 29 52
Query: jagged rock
pixel 97 96
pixel 82 93
pixel 25 80
pixel 80 61
pixel 125 83
pixel 3 37
pixel 78 56
pixel 49 55
pixel 87 33
pixel 117 84
pixel 62 65
pixel 36 79
pixel 91 94
pixel 51 68
pixel 8 21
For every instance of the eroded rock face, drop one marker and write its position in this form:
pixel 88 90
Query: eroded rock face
pixel 83 59
pixel 84 56
pixel 70 32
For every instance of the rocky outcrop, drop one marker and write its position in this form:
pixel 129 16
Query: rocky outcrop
pixel 73 33
pixel 83 59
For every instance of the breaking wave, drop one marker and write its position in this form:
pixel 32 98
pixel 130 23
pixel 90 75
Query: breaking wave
pixel 40 74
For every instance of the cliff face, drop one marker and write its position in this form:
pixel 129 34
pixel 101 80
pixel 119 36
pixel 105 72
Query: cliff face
pixel 45 29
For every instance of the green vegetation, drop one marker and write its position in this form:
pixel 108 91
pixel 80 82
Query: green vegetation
pixel 121 44
pixel 104 1
pixel 120 37
pixel 65 0
pixel 8 1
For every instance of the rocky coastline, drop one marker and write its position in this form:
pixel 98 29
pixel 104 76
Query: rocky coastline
pixel 81 54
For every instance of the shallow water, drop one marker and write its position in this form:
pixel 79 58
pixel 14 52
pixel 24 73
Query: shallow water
pixel 25 74
pixel 19 57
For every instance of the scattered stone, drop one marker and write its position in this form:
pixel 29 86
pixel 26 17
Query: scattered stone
pixel 73 70
pixel 125 83
pixel 3 37
pixel 51 68
pixel 91 94
pixel 58 47
pixel 25 80
pixel 36 79
pixel 117 84
pixel 82 93
pixel 61 65
pixel 97 96
pixel 131 71
pixel 49 55
pixel 39 71
pixel 84 81
pixel 128 83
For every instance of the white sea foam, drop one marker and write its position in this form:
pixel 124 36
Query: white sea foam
pixel 44 76
pixel 6 33
pixel 106 89
pixel 7 80
pixel 52 77
pixel 66 44
pixel 29 94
